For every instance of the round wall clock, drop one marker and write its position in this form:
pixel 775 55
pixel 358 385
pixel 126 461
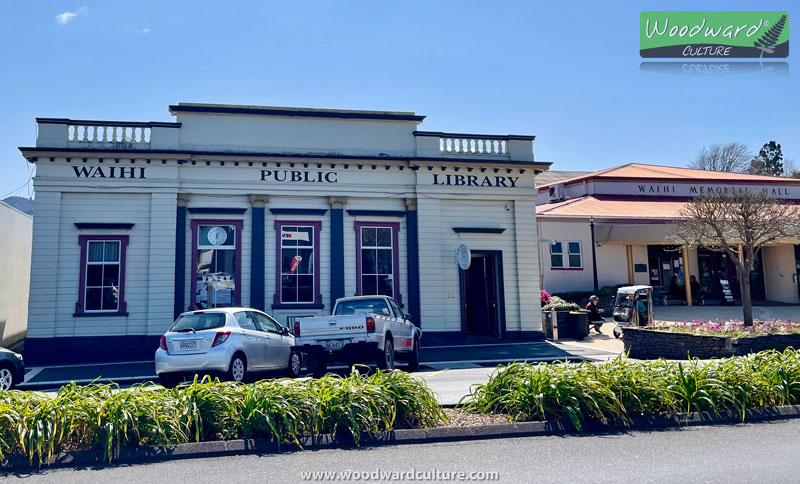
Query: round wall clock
pixel 217 236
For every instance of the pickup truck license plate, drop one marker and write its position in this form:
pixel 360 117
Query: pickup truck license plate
pixel 334 345
pixel 188 345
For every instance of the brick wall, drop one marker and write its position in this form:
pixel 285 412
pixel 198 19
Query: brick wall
pixel 647 344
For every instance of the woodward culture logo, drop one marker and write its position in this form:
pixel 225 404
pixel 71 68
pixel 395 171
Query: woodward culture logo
pixel 714 34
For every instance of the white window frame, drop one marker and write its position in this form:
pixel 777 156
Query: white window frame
pixel 579 254
pixel 565 254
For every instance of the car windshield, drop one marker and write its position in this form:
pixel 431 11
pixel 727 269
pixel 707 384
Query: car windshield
pixel 362 306
pixel 198 322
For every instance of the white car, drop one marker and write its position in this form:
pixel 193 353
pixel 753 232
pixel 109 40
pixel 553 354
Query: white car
pixel 362 329
pixel 230 341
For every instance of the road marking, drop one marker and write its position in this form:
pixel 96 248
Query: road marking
pixel 436 372
pixel 99 381
pixel 502 361
pixel 31 374
pixel 76 365
pixel 477 346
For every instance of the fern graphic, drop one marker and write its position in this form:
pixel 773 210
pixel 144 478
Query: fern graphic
pixel 771 36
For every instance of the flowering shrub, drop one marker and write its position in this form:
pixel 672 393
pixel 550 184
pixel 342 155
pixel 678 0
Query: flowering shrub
pixel 558 304
pixel 545 296
pixel 733 328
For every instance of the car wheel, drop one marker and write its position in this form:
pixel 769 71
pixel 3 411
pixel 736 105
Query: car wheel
pixel 295 365
pixel 6 378
pixel 169 380
pixel 317 364
pixel 237 370
pixel 413 357
pixel 386 357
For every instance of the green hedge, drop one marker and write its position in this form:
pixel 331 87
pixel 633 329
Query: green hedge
pixel 105 416
pixel 623 388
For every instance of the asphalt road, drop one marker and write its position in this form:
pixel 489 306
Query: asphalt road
pixel 757 453
pixel 433 359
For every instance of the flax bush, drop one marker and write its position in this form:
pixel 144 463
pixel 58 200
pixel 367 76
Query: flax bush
pixel 622 388
pixel 107 417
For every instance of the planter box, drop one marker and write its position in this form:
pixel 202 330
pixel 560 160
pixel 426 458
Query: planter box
pixel 552 321
pixel 648 344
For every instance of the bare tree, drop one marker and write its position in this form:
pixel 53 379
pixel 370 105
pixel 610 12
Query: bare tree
pixel 730 157
pixel 739 224
pixel 790 169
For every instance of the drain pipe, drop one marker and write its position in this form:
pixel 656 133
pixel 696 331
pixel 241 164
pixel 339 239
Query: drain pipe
pixel 594 255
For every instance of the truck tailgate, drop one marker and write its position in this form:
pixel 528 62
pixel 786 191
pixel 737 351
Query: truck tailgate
pixel 333 327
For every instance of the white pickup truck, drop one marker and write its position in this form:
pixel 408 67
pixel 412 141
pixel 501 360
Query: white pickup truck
pixel 362 329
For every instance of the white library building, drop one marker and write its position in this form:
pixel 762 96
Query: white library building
pixel 279 209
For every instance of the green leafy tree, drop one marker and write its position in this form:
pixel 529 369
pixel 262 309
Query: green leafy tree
pixel 769 161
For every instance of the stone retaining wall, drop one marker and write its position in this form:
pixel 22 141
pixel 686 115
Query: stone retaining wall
pixel 648 344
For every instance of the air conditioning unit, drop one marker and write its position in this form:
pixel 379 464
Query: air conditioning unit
pixel 556 193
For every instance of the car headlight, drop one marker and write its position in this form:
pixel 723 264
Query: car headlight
pixel 19 356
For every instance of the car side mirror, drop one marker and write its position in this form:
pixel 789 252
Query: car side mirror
pixel 406 317
pixel 284 330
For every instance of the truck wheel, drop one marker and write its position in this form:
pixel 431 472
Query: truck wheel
pixel 386 357
pixel 317 364
pixel 413 356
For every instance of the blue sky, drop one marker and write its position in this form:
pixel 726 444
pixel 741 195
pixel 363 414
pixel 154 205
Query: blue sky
pixel 570 76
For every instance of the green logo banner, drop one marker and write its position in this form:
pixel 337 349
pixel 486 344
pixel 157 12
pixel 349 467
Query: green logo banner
pixel 714 34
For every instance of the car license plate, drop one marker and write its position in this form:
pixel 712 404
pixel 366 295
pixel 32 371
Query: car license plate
pixel 334 345
pixel 188 345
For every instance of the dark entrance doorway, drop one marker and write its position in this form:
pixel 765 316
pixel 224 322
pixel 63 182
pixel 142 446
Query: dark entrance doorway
pixel 758 289
pixel 715 266
pixel 666 262
pixel 797 268
pixel 482 298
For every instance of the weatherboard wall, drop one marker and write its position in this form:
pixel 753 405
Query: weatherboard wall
pixel 15 258
pixel 368 168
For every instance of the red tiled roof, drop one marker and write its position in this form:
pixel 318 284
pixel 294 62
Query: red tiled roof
pixel 634 171
pixel 614 207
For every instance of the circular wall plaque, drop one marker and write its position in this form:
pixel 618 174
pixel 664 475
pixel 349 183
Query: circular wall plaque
pixel 463 257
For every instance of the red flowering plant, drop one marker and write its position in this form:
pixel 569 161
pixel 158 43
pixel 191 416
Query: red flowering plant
pixel 545 297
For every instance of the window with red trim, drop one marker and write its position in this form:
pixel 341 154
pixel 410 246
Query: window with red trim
pixel 378 257
pixel 102 275
pixel 216 261
pixel 297 264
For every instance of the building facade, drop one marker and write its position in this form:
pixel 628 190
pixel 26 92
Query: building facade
pixel 614 227
pixel 280 209
pixel 15 258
